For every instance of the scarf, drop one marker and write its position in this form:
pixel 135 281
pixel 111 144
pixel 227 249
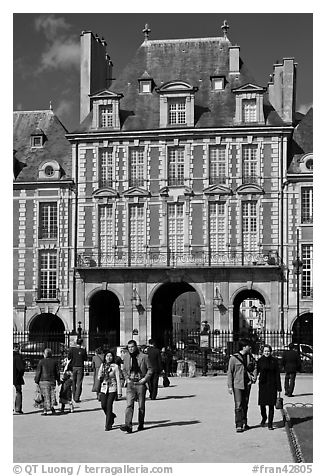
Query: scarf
pixel 134 363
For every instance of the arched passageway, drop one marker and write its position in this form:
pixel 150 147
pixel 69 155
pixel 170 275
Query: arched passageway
pixel 175 309
pixel 47 327
pixel 104 320
pixel 303 329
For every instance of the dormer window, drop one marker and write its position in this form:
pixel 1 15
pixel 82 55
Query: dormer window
pixel 146 83
pixel 37 141
pixel 106 108
pixel 249 104
pixel 49 170
pixel 218 83
pixel 177 104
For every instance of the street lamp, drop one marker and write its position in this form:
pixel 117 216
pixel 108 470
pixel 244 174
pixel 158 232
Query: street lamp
pixel 297 265
pixel 135 300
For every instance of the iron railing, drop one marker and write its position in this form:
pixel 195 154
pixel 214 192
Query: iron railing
pixel 98 259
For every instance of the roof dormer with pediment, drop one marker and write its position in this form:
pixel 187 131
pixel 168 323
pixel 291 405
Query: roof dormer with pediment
pixel 106 110
pixel 249 101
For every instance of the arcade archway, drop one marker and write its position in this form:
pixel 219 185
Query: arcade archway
pixel 47 327
pixel 302 329
pixel 248 313
pixel 104 320
pixel 175 309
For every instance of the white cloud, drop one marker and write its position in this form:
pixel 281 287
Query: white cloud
pixel 64 108
pixel 61 48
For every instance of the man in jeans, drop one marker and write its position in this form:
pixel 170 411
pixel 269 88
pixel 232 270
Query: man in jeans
pixel 242 372
pixel 77 356
pixel 19 369
pixel 136 371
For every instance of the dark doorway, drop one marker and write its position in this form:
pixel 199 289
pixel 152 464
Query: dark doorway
pixel 174 301
pixel 303 329
pixel 104 320
pixel 47 327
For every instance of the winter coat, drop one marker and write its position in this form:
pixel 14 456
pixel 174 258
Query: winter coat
pixel 269 380
pixel 291 361
pixel 154 356
pixel 48 371
pixel 19 368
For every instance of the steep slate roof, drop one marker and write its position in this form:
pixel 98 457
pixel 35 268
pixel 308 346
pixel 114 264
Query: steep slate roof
pixel 193 61
pixel 56 147
pixel 302 141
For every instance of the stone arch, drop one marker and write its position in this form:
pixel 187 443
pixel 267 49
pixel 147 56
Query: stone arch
pixel 99 288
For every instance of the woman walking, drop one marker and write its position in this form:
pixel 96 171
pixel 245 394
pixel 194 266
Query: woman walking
pixel 269 385
pixel 109 375
pixel 47 375
pixel 97 361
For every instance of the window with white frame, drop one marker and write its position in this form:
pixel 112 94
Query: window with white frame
pixel 136 167
pixel 306 205
pixel 217 226
pixel 249 163
pixel 136 229
pixel 106 167
pixel 106 232
pixel 177 110
pixel 249 110
pixel 106 115
pixel 176 227
pixel 48 220
pixel 217 165
pixel 37 141
pixel 48 274
pixel 176 165
pixel 217 83
pixel 307 259
pixel 249 226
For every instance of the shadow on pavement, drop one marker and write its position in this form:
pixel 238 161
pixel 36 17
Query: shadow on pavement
pixel 175 397
pixel 297 421
pixel 169 423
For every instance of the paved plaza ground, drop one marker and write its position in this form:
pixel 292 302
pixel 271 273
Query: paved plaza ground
pixel 192 421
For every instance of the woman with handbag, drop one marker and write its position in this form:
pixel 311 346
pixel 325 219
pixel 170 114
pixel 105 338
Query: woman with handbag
pixel 109 375
pixel 97 361
pixel 269 387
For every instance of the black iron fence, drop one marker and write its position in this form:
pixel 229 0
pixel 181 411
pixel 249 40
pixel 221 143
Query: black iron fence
pixel 210 351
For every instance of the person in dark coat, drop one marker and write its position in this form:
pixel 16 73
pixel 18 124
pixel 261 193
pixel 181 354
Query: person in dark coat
pixel 77 355
pixel 46 376
pixel 18 380
pixel 154 357
pixel 269 385
pixel 97 361
pixel 291 363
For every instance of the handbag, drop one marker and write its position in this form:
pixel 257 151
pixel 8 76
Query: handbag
pixel 38 398
pixel 104 387
pixel 166 381
pixel 279 403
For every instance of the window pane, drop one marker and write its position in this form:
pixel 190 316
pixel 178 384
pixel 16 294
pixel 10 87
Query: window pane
pixel 307 274
pixel 48 275
pixel 249 226
pixel 249 164
pixel 306 205
pixel 177 111
pixel 106 116
pixel 136 168
pixel 249 110
pixel 217 165
pixel 176 166
pixel 106 168
pixel 137 228
pixel 217 226
pixel 176 227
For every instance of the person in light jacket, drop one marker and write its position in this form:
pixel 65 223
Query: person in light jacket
pixel 137 371
pixel 241 374
pixel 109 377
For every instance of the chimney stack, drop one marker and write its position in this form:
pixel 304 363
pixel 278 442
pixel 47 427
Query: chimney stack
pixel 234 59
pixel 93 69
pixel 282 89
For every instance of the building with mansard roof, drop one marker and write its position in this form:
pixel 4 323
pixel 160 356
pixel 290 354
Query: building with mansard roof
pixel 183 198
pixel 42 255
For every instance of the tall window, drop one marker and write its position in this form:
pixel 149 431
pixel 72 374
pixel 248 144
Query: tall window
pixel 249 164
pixel 176 227
pixel 249 226
pixel 217 226
pixel 136 168
pixel 306 271
pixel 48 275
pixel 48 217
pixel 137 228
pixel 249 110
pixel 106 115
pixel 106 232
pixel 106 167
pixel 177 111
pixel 217 165
pixel 176 166
pixel 306 205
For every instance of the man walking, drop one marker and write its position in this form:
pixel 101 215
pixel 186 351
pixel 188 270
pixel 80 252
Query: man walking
pixel 154 357
pixel 137 371
pixel 242 372
pixel 292 364
pixel 77 356
pixel 18 380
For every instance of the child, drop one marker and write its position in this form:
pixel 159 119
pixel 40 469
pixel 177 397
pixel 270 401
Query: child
pixel 65 395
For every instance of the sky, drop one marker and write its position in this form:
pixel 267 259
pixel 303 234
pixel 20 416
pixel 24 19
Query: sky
pixel 46 49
